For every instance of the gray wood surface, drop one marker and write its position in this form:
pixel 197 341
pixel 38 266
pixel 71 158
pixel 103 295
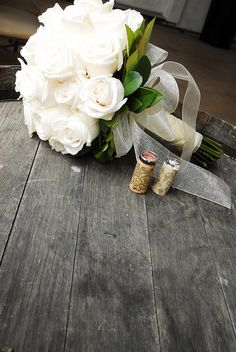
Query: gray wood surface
pixel 89 266
pixel 7 82
pixel 37 269
pixel 221 233
pixel 112 302
pixel 17 153
pixel 188 293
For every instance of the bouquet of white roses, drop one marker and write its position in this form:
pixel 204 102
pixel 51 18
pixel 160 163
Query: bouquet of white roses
pixel 88 68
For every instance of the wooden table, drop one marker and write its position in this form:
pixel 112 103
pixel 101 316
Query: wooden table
pixel 88 266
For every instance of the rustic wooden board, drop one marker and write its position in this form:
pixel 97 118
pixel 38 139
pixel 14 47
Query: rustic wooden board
pixel 221 233
pixel 17 153
pixel 7 82
pixel 78 251
pixel 37 267
pixel 112 303
pixel 192 312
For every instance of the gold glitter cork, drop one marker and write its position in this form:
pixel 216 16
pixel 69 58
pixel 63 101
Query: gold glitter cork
pixel 143 172
pixel 166 177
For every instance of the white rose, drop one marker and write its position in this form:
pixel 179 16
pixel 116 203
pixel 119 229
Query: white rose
pixel 55 59
pixel 31 84
pixel 31 118
pixel 41 120
pixel 71 134
pixel 29 50
pixel 94 6
pixel 68 91
pixel 52 16
pixel 112 23
pixel 102 55
pixel 102 97
pixel 76 27
pixel 134 19
pixel 49 50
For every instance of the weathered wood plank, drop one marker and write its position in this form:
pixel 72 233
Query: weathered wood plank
pixel 112 304
pixel 5 349
pixel 220 225
pixel 17 152
pixel 192 312
pixel 36 271
pixel 7 82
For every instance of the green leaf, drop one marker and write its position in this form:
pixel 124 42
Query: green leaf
pixel 132 82
pixel 138 33
pixel 146 96
pixel 132 61
pixel 135 44
pixel 130 37
pixel 158 98
pixel 103 126
pixel 142 27
pixel 98 154
pixel 109 137
pixel 112 144
pixel 123 109
pixel 111 123
pixel 146 38
pixel 144 68
pixel 110 152
pixel 134 104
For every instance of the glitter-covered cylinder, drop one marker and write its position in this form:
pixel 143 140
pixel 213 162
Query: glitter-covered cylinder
pixel 143 172
pixel 166 177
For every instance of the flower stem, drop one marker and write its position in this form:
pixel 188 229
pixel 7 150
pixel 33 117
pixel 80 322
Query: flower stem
pixel 208 152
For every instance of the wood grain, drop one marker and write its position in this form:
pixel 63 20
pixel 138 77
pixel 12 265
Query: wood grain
pixel 112 304
pixel 220 226
pixel 89 266
pixel 37 267
pixel 17 152
pixel 7 82
pixel 4 348
pixel 192 311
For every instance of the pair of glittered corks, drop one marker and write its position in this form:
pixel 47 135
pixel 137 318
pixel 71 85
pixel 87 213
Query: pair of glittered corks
pixel 143 172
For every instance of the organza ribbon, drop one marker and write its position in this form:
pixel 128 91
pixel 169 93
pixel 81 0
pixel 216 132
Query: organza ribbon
pixel 190 178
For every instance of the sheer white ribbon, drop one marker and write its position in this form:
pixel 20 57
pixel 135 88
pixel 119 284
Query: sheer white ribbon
pixel 158 119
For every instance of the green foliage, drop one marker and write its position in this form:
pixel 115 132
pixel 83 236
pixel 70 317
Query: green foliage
pixel 130 37
pixel 132 61
pixel 144 98
pixel 144 68
pixel 132 82
pixel 105 149
pixel 146 37
pixel 134 104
